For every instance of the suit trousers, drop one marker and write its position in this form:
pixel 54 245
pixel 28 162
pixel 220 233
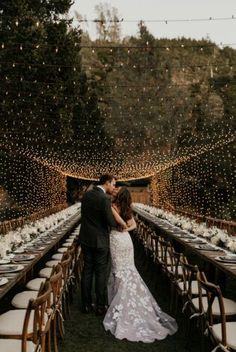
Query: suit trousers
pixel 96 263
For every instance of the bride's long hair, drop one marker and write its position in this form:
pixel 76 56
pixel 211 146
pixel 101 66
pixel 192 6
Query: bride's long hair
pixel 123 201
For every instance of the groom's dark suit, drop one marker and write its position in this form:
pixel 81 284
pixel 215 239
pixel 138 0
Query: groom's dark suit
pixel 96 221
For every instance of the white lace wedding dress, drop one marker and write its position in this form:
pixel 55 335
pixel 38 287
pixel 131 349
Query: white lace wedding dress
pixel 133 312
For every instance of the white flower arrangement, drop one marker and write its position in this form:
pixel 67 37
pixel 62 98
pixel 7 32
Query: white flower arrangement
pixel 215 235
pixel 14 239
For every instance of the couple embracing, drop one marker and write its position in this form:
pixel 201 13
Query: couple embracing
pixel 132 311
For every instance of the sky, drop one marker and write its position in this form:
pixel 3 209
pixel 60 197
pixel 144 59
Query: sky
pixel 218 31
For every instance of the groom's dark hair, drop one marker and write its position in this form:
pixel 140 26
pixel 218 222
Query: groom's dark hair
pixel 107 177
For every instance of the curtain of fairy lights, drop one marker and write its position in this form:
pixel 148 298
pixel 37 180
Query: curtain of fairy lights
pixel 202 185
pixel 140 107
pixel 28 187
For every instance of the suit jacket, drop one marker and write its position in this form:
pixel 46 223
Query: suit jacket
pixel 96 219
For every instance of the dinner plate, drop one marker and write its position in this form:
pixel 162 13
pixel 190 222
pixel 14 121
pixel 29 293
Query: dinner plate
pixel 5 261
pixel 23 257
pixel 207 247
pixel 3 281
pixel 184 235
pixel 227 259
pixel 10 268
pixel 19 250
pixel 194 241
pixel 35 248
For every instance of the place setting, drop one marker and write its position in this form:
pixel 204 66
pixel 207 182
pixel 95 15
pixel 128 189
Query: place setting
pixel 227 259
pixel 34 248
pixel 43 242
pixel 10 268
pixel 3 281
pixel 23 258
pixel 184 235
pixel 117 154
pixel 19 250
pixel 195 241
pixel 5 261
pixel 208 247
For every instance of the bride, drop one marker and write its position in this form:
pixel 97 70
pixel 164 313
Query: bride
pixel 133 313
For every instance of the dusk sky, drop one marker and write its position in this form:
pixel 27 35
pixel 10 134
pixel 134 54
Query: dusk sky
pixel 219 31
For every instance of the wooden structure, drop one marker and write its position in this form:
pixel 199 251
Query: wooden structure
pixel 140 195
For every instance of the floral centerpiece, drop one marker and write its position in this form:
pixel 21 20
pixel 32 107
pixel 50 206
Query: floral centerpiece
pixel 213 234
pixel 14 239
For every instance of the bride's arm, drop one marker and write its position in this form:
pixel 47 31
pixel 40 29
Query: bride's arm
pixel 118 218
pixel 131 224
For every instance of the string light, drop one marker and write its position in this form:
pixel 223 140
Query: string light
pixel 121 20
pixel 143 119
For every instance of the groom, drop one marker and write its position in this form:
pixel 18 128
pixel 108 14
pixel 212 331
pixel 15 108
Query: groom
pixel 96 222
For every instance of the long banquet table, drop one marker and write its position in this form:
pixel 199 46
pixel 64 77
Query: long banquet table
pixel 173 233
pixel 59 233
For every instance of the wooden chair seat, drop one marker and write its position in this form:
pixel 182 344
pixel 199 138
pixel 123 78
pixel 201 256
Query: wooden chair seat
pixel 195 289
pixel 21 300
pixel 66 244
pixel 11 322
pixel 52 263
pixel 70 240
pixel 57 256
pixel 45 272
pixel 231 333
pixel 229 305
pixel 12 345
pixel 35 284
pixel 62 250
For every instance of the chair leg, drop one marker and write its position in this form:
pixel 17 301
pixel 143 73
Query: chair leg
pixel 54 323
pixel 65 305
pixel 49 340
pixel 43 343
pixel 77 274
pixel 59 321
pixel 68 303
pixel 202 331
pixel 71 288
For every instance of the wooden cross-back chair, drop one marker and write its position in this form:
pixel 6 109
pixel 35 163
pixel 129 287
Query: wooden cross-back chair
pixel 223 332
pixel 25 330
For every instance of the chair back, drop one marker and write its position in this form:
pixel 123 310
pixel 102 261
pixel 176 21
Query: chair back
pixel 141 230
pixel 177 257
pixel 66 264
pixel 72 251
pixel 189 274
pixel 155 247
pixel 213 293
pixel 166 255
pixel 41 308
pixel 56 283
pixel 149 234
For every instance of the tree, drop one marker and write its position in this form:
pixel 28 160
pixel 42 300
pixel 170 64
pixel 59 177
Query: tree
pixel 108 23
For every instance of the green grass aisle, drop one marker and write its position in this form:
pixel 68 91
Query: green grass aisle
pixel 85 333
